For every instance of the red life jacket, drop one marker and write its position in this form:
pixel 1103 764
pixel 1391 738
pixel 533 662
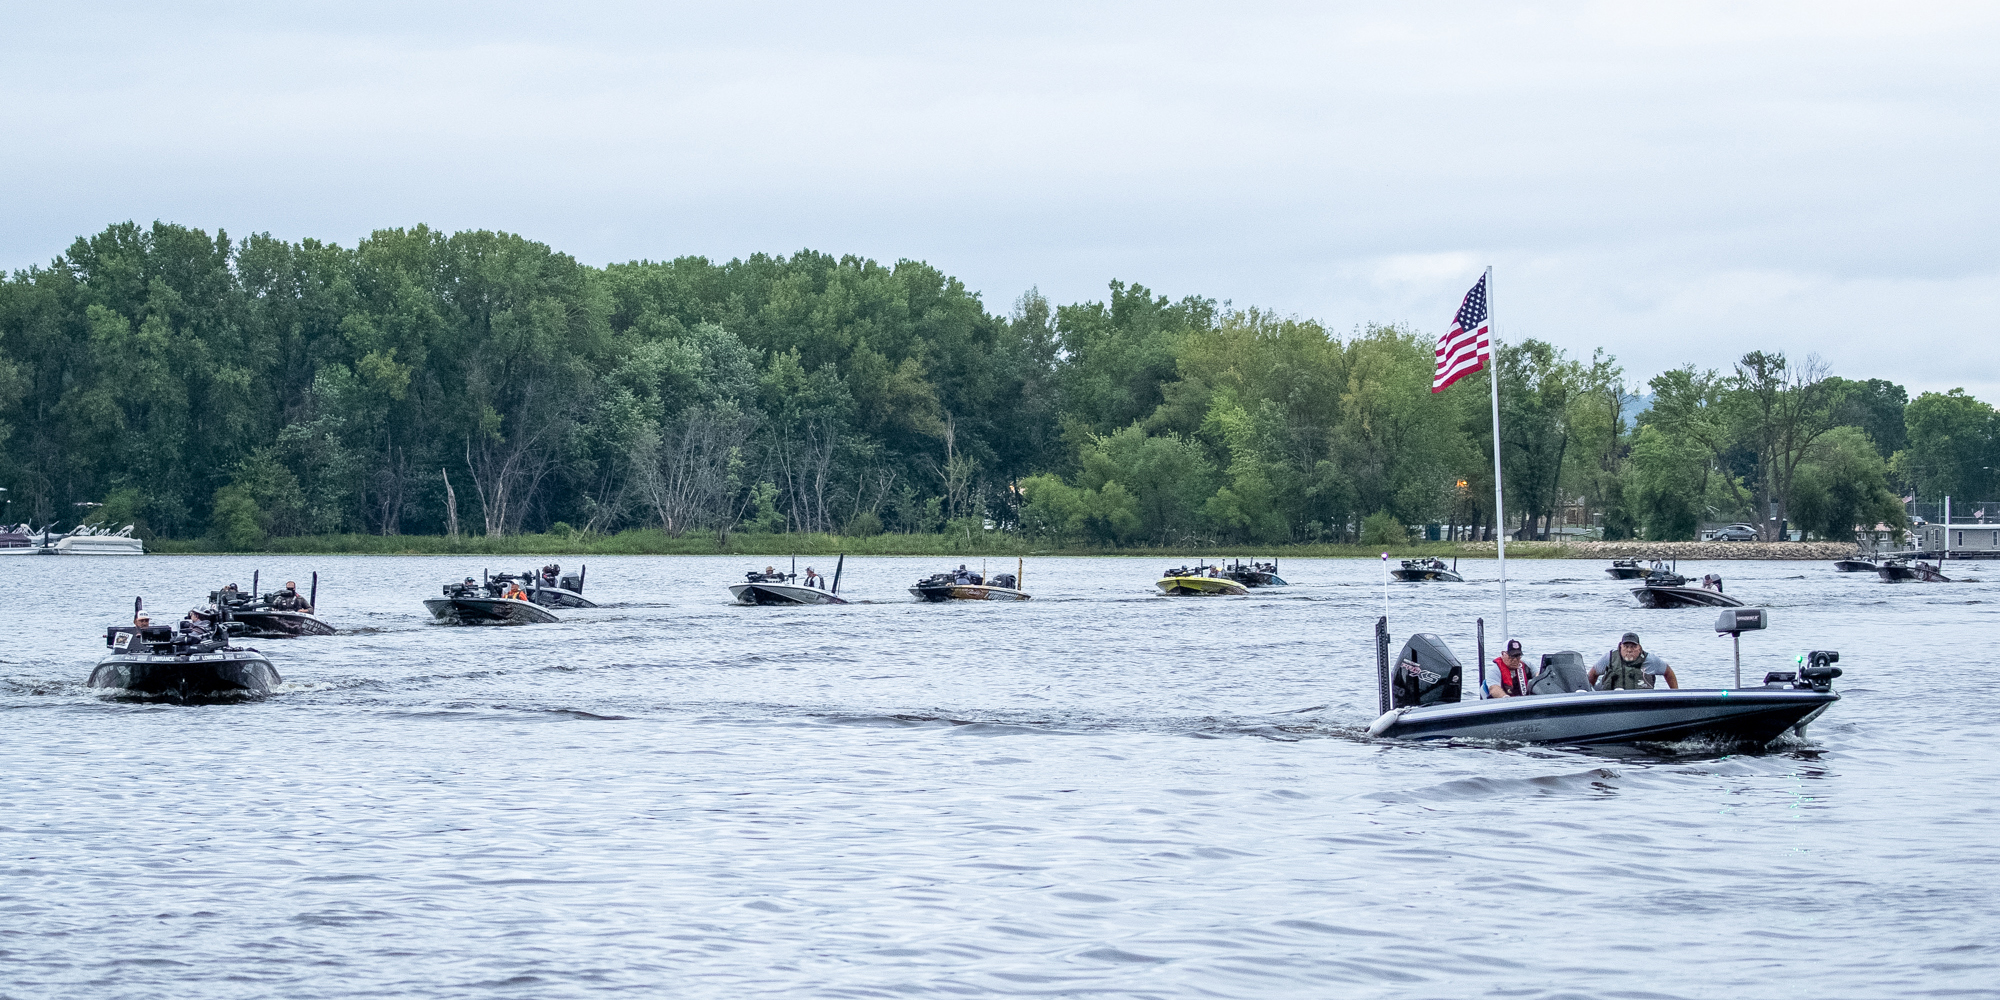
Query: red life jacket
pixel 1509 681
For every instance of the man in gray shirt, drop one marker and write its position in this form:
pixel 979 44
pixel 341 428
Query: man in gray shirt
pixel 1630 666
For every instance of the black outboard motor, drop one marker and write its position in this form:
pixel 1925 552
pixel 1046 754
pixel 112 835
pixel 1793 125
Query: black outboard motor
pixel 1004 580
pixel 572 583
pixel 1425 673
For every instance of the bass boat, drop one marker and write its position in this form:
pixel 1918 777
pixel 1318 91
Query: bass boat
pixel 1856 563
pixel 1662 595
pixel 259 616
pixel 965 586
pixel 1626 569
pixel 1256 574
pixel 192 663
pixel 486 603
pixel 772 588
pixel 1185 582
pixel 1432 568
pixel 1419 699
pixel 1898 570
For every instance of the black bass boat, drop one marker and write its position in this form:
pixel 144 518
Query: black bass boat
pixel 1856 563
pixel 193 663
pixel 1708 595
pixel 1626 569
pixel 550 588
pixel 272 615
pixel 964 585
pixel 1899 570
pixel 774 589
pixel 1256 574
pixel 491 602
pixel 1419 699
pixel 1430 568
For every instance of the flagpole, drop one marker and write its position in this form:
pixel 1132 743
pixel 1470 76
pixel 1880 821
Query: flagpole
pixel 1499 503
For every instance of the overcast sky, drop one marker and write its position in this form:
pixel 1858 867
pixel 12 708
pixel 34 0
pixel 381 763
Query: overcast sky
pixel 1672 183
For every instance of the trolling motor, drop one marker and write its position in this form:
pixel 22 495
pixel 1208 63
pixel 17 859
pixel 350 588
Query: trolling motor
pixel 1817 674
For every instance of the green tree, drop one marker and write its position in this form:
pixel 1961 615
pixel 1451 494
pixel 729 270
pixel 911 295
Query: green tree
pixel 1954 445
pixel 1843 484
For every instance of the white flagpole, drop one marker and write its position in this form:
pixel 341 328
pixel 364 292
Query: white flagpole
pixel 1499 503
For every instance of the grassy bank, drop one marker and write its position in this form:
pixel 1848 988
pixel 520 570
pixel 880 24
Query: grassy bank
pixel 652 542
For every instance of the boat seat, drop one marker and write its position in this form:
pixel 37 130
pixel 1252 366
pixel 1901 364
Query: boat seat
pixel 1561 673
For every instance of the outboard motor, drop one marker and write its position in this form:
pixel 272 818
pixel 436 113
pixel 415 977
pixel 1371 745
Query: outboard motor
pixel 1004 580
pixel 1425 673
pixel 572 583
pixel 1561 673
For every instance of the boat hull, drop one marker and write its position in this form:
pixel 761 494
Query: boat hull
pixel 967 592
pixel 187 677
pixel 1626 572
pixel 1683 597
pixel 1200 586
pixel 487 611
pixel 1750 715
pixel 780 594
pixel 99 545
pixel 1853 566
pixel 280 624
pixel 557 597
pixel 1425 575
pixel 1259 579
pixel 1920 572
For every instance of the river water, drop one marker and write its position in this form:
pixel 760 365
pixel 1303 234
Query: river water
pixel 1098 793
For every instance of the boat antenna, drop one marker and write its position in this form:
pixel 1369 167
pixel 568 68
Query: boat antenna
pixel 1020 573
pixel 314 599
pixel 1499 498
pixel 836 573
pixel 795 566
pixel 1385 592
pixel 1479 627
pixel 138 605
pixel 253 582
pixel 1382 663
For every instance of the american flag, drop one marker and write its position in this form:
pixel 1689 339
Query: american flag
pixel 1467 343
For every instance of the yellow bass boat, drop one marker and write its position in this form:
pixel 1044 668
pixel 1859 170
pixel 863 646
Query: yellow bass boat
pixel 1184 582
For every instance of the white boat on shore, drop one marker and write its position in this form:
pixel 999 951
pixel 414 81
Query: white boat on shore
pixel 89 541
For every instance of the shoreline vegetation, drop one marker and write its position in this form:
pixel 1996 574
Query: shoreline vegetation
pixel 259 394
pixel 653 542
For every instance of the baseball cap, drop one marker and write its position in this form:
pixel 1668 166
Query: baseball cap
pixel 1513 645
pixel 1631 637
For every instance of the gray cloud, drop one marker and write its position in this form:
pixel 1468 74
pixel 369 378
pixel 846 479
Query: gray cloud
pixel 1674 185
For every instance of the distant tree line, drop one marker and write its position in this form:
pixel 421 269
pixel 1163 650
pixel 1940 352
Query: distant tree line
pixel 431 383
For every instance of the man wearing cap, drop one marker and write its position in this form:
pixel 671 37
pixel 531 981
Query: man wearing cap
pixel 1513 673
pixel 1630 666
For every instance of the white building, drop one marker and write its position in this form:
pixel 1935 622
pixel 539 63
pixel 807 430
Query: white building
pixel 1974 537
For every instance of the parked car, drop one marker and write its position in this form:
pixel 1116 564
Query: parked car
pixel 1734 533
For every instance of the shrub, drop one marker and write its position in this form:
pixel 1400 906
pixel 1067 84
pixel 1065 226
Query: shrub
pixel 1383 528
